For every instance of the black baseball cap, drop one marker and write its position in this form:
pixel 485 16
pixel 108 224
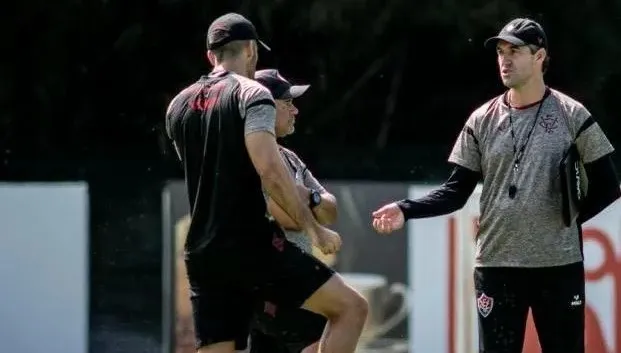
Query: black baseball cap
pixel 230 27
pixel 278 85
pixel 521 31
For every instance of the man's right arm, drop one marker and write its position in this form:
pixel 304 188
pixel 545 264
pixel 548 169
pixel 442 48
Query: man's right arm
pixel 454 193
pixel 450 197
pixel 260 115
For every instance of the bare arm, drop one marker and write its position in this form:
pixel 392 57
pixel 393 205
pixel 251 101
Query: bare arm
pixel 258 110
pixel 326 211
pixel 277 181
pixel 281 216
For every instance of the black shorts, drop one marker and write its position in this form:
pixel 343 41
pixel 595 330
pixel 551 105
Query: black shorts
pixel 555 296
pixel 228 282
pixel 284 331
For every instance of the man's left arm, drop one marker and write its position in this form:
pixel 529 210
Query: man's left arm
pixel 595 150
pixel 325 210
pixel 602 190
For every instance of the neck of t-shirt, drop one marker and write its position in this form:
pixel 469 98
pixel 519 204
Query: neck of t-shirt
pixel 527 97
pixel 234 67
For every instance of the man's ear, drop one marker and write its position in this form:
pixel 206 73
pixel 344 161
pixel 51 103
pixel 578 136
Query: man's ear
pixel 211 57
pixel 251 48
pixel 541 54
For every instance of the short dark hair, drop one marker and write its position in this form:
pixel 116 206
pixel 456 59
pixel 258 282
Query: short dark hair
pixel 546 61
pixel 229 50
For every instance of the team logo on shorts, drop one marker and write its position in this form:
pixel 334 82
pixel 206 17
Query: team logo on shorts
pixel 485 304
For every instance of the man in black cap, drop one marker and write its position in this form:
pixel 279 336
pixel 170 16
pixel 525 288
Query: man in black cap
pixel 296 330
pixel 529 245
pixel 222 127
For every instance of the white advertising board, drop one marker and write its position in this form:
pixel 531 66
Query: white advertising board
pixel 44 267
pixel 443 317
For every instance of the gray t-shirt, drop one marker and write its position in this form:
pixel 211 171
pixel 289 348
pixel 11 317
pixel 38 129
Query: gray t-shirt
pixel 303 176
pixel 527 231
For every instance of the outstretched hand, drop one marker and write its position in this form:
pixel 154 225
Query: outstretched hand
pixel 388 218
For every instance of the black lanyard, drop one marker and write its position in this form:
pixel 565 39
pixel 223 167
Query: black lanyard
pixel 519 153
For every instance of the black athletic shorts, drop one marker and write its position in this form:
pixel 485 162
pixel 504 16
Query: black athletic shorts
pixel 284 331
pixel 227 282
pixel 555 296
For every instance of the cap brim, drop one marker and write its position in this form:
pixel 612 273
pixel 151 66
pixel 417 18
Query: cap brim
pixel 264 45
pixel 297 91
pixel 507 38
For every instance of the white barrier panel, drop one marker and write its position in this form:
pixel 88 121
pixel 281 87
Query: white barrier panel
pixel 440 270
pixel 44 267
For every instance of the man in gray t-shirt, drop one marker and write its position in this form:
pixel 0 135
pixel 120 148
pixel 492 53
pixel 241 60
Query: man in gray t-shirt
pixel 322 202
pixel 297 330
pixel 527 255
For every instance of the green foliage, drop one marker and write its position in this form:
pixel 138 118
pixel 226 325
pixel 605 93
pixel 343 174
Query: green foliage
pixel 91 79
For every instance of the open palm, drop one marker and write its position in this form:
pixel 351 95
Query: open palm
pixel 388 218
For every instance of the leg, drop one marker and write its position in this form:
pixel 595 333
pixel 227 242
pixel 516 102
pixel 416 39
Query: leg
pixel 303 281
pixel 558 306
pixel 346 311
pixel 221 310
pixel 217 330
pixel 261 342
pixel 503 309
pixel 289 330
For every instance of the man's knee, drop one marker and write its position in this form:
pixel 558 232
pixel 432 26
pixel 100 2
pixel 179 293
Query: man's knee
pixel 335 299
pixel 354 303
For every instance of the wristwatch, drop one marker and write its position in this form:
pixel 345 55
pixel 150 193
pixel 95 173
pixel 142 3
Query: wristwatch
pixel 314 199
